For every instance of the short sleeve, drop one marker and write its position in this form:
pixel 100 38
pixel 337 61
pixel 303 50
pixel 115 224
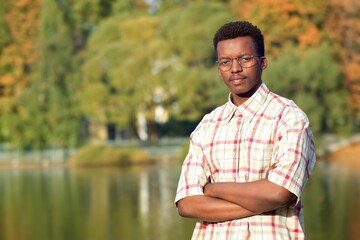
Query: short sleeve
pixel 193 175
pixel 295 151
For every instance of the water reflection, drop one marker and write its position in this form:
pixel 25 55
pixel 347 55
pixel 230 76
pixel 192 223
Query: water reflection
pixel 331 202
pixel 137 203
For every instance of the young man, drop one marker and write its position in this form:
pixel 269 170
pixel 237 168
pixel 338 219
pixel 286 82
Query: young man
pixel 250 158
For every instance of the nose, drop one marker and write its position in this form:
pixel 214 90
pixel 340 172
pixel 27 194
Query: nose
pixel 236 67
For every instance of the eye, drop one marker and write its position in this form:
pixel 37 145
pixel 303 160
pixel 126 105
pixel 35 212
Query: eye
pixel 224 62
pixel 245 59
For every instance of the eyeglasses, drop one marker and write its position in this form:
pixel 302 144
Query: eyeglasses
pixel 245 61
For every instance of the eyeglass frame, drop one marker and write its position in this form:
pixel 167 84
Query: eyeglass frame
pixel 238 61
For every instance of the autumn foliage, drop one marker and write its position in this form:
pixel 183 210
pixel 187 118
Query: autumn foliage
pixel 308 24
pixel 19 53
pixel 116 53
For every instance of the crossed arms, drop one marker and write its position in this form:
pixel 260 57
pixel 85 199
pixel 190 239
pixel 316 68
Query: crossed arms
pixel 225 201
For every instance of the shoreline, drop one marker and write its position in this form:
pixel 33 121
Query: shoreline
pixel 347 156
pixel 344 152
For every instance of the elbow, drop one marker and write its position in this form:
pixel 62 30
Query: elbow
pixel 183 209
pixel 284 197
pixel 280 196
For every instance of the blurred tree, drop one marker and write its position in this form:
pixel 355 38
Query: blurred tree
pixel 18 53
pixel 53 118
pixel 285 22
pixel 308 24
pixel 314 81
pixel 83 16
pixel 116 73
pixel 112 60
pixel 166 5
pixel 189 32
pixel 343 27
pixel 5 36
pixel 143 62
pixel 122 6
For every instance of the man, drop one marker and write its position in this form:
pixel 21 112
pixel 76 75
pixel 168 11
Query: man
pixel 250 158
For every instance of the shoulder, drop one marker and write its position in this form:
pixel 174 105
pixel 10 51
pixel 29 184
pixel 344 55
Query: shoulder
pixel 217 116
pixel 284 107
pixel 283 113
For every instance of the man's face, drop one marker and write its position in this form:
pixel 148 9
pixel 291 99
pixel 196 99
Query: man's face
pixel 242 82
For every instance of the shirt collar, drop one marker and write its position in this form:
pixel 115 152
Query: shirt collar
pixel 250 106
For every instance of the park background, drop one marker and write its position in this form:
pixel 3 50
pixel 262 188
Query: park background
pixel 98 98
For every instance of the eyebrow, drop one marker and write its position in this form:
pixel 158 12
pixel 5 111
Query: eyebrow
pixel 242 55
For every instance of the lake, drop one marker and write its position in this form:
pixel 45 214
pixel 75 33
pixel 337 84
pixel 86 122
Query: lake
pixel 137 203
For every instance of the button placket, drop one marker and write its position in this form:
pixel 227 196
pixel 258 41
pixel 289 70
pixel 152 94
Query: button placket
pixel 237 153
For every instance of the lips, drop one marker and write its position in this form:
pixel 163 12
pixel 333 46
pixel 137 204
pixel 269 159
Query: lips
pixel 237 79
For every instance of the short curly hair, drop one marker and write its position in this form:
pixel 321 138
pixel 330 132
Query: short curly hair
pixel 236 29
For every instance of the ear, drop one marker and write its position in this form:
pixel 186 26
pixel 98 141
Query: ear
pixel 264 63
pixel 219 73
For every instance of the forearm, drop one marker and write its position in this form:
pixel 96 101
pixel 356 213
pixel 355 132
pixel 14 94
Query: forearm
pixel 211 209
pixel 258 196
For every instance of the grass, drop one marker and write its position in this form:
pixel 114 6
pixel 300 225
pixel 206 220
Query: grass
pixel 99 155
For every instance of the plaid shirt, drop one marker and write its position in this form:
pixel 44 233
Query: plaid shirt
pixel 239 144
